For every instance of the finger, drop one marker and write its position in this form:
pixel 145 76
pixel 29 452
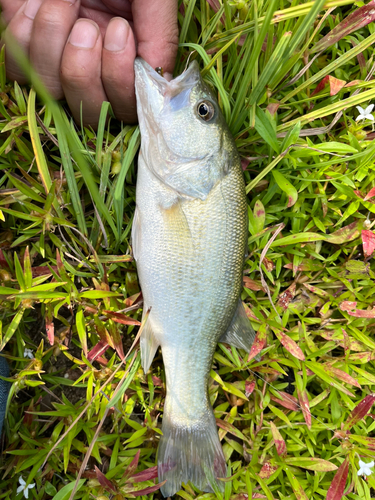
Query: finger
pixel 9 9
pixel 19 30
pixel 81 72
pixel 120 7
pixel 51 28
pixel 156 31
pixel 118 69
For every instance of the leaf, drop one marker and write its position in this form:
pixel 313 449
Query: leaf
pixel 298 238
pixel 121 318
pixel 296 486
pixel 288 401
pixel 4 290
pixel 50 328
pixel 37 145
pixel 361 313
pixel 259 214
pixel 81 329
pixel 65 491
pixel 104 482
pixel 370 194
pixel 369 442
pixel 145 475
pixel 146 491
pixel 279 441
pixel 322 373
pixel 311 463
pixel 125 383
pixel 286 296
pixel 287 187
pixel 346 233
pixel 267 470
pixel 264 487
pixel 226 386
pixel 109 259
pixel 337 487
pixel 280 414
pixel 15 123
pixel 11 328
pixel 252 284
pixel 265 129
pixel 335 85
pixel 228 427
pixel 360 411
pixel 249 387
pixel 368 242
pixel 341 375
pixel 289 344
pixel 358 19
pixel 305 406
pixel 132 467
pixel 24 188
pixel 97 350
pixel 98 294
pixel 259 342
pixel 71 180
pixel 347 305
pixel 291 137
pixel 273 64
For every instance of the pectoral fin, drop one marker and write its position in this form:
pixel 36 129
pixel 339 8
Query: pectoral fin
pixel 149 345
pixel 240 332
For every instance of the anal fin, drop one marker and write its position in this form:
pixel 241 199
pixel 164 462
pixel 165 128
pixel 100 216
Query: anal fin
pixel 149 345
pixel 240 332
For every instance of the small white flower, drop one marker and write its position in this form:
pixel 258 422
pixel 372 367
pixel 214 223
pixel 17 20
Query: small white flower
pixel 28 353
pixel 365 469
pixel 365 114
pixel 24 488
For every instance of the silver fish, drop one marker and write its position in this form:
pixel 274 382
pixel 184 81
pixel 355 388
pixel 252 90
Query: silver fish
pixel 189 240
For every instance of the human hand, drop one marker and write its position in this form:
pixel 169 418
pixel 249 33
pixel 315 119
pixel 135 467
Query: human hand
pixel 84 50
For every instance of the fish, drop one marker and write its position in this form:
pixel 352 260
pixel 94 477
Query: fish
pixel 189 240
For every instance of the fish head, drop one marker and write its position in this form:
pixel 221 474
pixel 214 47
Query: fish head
pixel 185 140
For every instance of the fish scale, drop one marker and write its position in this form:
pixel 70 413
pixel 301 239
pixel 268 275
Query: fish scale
pixel 189 238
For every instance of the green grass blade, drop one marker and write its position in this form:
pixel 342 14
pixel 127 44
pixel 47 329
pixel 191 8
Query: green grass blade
pixel 330 68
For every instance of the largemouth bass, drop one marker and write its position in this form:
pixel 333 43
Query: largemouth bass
pixel 189 240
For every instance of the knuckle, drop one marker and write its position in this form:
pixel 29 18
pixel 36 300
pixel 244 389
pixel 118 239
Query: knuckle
pixel 75 77
pixel 47 17
pixel 50 16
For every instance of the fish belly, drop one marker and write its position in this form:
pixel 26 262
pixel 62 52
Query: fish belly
pixel 189 257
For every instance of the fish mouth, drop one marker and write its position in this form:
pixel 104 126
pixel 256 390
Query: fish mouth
pixel 147 79
pixel 154 92
pixel 148 83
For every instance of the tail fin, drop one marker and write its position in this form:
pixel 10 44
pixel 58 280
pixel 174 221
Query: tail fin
pixel 190 453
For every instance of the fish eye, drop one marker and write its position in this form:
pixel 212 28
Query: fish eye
pixel 205 110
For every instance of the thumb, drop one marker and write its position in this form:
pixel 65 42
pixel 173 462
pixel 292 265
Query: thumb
pixel 156 31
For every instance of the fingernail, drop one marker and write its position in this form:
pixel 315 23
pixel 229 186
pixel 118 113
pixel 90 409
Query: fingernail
pixel 84 35
pixel 31 8
pixel 116 35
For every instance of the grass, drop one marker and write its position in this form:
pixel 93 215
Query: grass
pixel 294 424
